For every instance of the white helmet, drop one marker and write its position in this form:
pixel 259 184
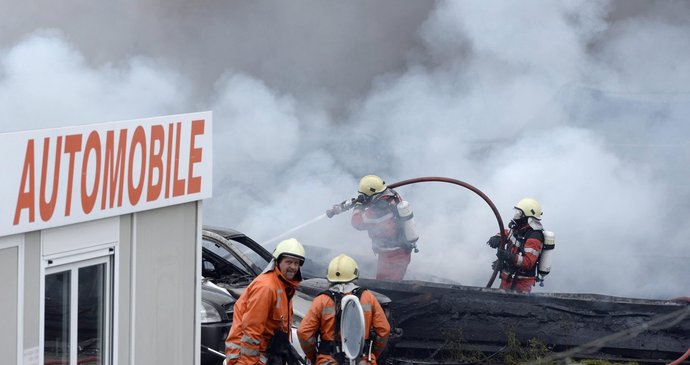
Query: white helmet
pixel 342 269
pixel 371 184
pixel 289 247
pixel 529 208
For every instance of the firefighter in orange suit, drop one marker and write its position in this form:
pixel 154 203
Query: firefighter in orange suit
pixel 375 211
pixel 263 313
pixel 319 331
pixel 525 242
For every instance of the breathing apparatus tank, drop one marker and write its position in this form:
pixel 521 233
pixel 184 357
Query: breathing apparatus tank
pixel 544 267
pixel 408 224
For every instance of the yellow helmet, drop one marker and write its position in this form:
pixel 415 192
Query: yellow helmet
pixel 529 207
pixel 289 247
pixel 342 269
pixel 371 184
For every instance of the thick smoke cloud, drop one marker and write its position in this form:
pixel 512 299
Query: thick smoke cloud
pixel 46 82
pixel 580 105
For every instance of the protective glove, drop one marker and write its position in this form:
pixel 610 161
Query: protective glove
pixel 494 265
pixel 347 204
pixel 361 199
pixel 494 241
pixel 505 255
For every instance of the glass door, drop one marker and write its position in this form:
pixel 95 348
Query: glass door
pixel 77 314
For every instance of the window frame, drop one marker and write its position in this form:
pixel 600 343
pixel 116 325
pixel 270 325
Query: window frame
pixel 73 263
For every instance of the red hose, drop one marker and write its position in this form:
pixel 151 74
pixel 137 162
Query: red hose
pixel 680 359
pixel 475 190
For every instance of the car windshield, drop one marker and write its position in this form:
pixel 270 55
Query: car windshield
pixel 221 251
pixel 250 255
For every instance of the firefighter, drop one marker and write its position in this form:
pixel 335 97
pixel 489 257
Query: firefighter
pixel 376 211
pixel 319 331
pixel 518 261
pixel 263 313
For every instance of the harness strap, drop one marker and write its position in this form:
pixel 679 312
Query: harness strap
pixel 515 272
pixel 332 347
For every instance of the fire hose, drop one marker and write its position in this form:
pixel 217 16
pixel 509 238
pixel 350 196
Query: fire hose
pixel 348 204
pixel 488 201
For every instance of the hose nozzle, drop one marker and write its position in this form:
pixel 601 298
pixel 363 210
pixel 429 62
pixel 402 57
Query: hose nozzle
pixel 339 208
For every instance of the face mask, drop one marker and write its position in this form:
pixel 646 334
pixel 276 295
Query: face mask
pixel 518 219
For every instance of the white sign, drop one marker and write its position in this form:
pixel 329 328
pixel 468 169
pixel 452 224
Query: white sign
pixel 60 176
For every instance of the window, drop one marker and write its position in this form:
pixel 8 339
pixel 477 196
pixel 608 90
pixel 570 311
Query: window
pixel 77 313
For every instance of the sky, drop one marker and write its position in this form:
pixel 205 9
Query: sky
pixel 580 105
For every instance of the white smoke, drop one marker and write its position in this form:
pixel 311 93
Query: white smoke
pixel 580 105
pixel 47 83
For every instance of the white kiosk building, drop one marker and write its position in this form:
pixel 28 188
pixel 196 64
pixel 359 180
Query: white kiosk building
pixel 100 242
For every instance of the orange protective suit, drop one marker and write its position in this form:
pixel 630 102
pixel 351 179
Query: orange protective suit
pixel 525 244
pixel 379 218
pixel 321 320
pixel 264 307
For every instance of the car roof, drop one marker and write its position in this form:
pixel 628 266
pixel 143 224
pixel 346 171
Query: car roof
pixel 231 234
pixel 225 232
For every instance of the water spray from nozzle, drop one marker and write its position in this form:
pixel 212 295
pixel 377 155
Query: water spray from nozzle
pixel 314 220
